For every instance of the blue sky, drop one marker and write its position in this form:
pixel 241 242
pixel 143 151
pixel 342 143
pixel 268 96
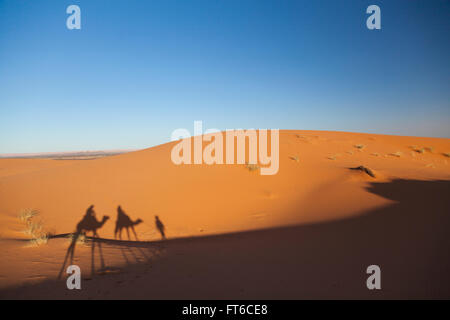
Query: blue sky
pixel 137 70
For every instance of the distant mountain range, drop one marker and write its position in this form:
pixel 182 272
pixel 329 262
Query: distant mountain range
pixel 65 155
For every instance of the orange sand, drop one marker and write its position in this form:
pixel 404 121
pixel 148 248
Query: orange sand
pixel 203 200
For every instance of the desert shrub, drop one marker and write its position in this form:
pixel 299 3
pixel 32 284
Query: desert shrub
pixel 33 228
pixel 26 214
pixel 35 242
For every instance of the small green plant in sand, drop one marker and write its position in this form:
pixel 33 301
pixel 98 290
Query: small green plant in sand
pixel 359 146
pixel 446 154
pixel 430 149
pixel 34 229
pixel 251 167
pixel 295 158
pixel 420 150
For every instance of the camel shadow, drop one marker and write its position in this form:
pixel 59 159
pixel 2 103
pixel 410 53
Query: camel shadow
pixel 88 223
pixel 124 222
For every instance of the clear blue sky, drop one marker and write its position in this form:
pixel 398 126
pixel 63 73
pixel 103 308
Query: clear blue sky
pixel 137 70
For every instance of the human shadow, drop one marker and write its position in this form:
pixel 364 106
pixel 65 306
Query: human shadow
pixel 88 223
pixel 161 228
pixel 124 222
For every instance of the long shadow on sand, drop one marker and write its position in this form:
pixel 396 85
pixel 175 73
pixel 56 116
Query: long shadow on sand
pixel 88 223
pixel 408 239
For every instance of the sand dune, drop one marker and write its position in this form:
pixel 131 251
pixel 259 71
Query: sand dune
pixel 255 236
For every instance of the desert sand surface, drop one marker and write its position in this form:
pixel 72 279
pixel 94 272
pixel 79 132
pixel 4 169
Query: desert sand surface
pixel 310 231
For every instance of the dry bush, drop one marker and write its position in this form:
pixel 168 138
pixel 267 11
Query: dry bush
pixel 26 214
pixel 36 242
pixel 34 228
